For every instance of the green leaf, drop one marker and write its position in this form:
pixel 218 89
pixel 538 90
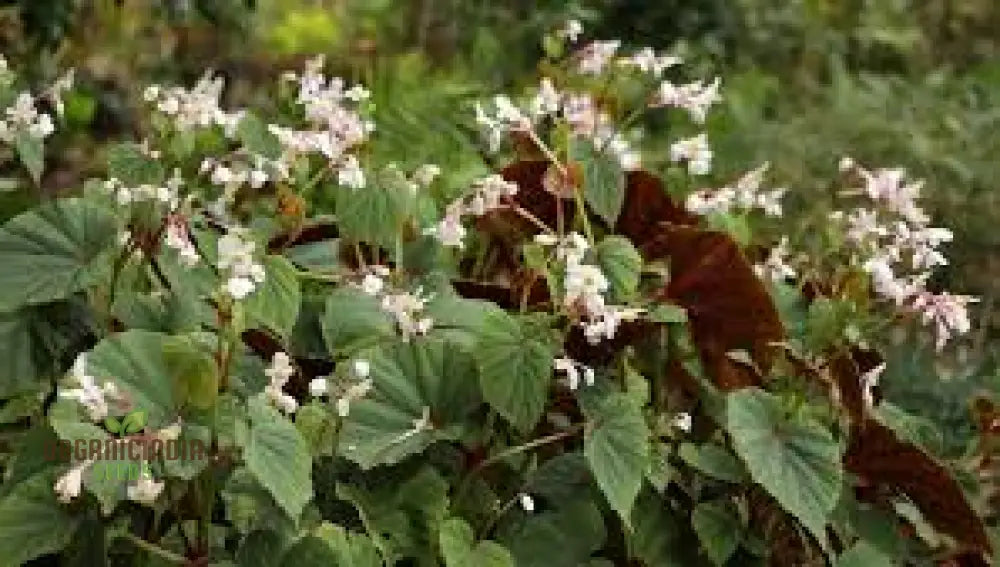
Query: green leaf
pixel 407 378
pixel 278 457
pixel 861 554
pixel 560 538
pixel 32 522
pixel 714 461
pixel 53 251
pixel 275 304
pixel 252 132
pixel 352 549
pixel 617 448
pixel 193 370
pixel 603 180
pixel 318 427
pixel 374 214
pixel 621 263
pixel 310 551
pixel 134 361
pixel 31 152
pixel 112 425
pixel 796 460
pixel 18 372
pixel 130 165
pixel 717 524
pixel 515 369
pixel 659 537
pixel 322 256
pixel 459 548
pixel 134 421
pixel 667 313
pixel 353 320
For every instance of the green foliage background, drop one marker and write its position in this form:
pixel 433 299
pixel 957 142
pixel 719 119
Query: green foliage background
pixel 908 82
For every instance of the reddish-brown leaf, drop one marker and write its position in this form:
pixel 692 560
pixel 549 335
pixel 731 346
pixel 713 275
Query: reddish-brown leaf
pixel 846 370
pixel 647 206
pixel 879 459
pixel 727 305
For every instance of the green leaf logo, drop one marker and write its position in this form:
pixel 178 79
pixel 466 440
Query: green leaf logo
pixel 112 425
pixel 134 422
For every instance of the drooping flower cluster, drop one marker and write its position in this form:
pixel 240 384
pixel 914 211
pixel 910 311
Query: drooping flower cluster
pixel 900 250
pixel 68 486
pixel 584 285
pixel 746 195
pixel 775 267
pixel 197 107
pixel 696 97
pixel 236 261
pixel 356 390
pixel 95 398
pixel 278 374
pixel 487 194
pixel 146 489
pixel 23 117
pixel 334 125
pixel 695 151
pixel 406 308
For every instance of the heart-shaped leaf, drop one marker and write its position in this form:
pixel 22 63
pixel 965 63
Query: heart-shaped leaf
pixel 52 251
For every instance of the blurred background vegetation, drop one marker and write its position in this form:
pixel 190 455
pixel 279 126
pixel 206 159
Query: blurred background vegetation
pixel 908 82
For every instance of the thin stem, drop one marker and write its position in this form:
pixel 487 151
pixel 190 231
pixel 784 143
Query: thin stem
pixel 580 206
pixel 547 151
pixel 518 449
pixel 155 549
pixel 529 217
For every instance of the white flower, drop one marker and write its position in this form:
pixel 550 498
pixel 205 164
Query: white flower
pixel 353 393
pixel 279 372
pixel 89 394
pixel 239 287
pixel 527 503
pixel 405 308
pixel 775 268
pixel 546 101
pixel 695 151
pixel 177 237
pixel 145 490
pixel 949 314
pixel 869 380
pixel 574 371
pixel 357 93
pixel 647 61
pixel 571 30
pixel 243 274
pixel 682 421
pixel 350 174
pixel 281 369
pixel 318 387
pixel 362 368
pixel 584 283
pixel 595 56
pixel 449 231
pixel 68 486
pixel 372 284
pixel 696 98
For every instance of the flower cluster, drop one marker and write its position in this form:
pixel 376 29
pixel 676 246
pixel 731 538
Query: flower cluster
pixel 487 195
pixel 901 250
pixel 197 107
pixel 334 125
pixel 355 389
pixel 584 285
pixel 95 398
pixel 278 374
pixel 775 267
pixel 23 116
pixel 236 261
pixel 405 308
pixel 746 195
